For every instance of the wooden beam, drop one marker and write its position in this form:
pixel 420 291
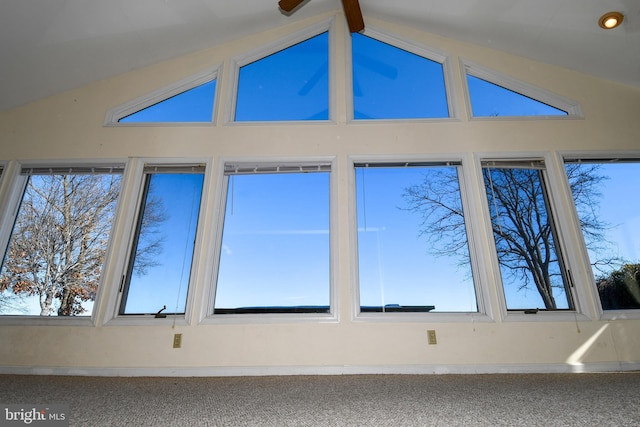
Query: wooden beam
pixel 354 15
pixel 289 5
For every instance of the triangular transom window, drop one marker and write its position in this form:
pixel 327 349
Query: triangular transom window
pixel 289 85
pixel 495 96
pixel 393 83
pixel 190 100
pixel 193 105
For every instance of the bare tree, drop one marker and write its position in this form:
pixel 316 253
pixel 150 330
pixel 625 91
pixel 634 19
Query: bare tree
pixel 149 237
pixel 522 226
pixel 59 241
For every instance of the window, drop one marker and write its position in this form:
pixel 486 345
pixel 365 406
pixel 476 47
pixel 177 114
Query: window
pixel 413 253
pixel 392 83
pixel 275 251
pixel 53 261
pixel 492 95
pixel 193 105
pixel 604 191
pixel 526 239
pixel 491 100
pixel 157 277
pixel 188 101
pixel 292 84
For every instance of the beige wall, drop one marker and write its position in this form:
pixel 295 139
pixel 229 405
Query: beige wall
pixel 70 126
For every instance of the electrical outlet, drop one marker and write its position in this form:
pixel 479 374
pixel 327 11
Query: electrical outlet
pixel 177 340
pixel 431 337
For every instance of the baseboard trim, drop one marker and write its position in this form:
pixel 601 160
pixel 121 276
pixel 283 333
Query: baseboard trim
pixel 243 371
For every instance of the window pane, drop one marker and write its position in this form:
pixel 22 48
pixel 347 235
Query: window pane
pixel 412 243
pixel 491 100
pixel 193 105
pixel 159 272
pixel 53 262
pixel 275 245
pixel 525 237
pixel 605 195
pixel 292 84
pixel 391 83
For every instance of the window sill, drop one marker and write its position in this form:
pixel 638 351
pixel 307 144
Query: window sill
pixel 148 320
pixel 545 316
pixel 265 318
pixel 620 315
pixel 46 321
pixel 421 317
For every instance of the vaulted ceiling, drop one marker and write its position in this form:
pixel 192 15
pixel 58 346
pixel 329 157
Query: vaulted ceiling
pixel 49 46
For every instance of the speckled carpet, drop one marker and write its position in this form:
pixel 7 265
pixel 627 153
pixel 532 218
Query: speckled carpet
pixel 603 399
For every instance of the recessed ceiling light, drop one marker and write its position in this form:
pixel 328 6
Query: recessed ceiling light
pixel 610 20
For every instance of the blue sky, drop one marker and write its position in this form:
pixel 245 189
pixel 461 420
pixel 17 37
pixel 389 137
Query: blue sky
pixel 275 246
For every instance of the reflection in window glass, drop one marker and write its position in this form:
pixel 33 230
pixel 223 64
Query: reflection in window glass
pixel 392 83
pixel 160 268
pixel 407 260
pixel 533 275
pixel 275 243
pixel 292 84
pixel 605 194
pixel 53 262
pixel 491 100
pixel 193 105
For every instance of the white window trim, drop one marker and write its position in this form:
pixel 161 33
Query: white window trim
pixel 558 206
pixel 208 300
pixel 573 109
pixel 586 273
pixel 128 212
pixel 424 51
pixel 277 46
pixel 117 113
pixel 11 193
pixel 483 293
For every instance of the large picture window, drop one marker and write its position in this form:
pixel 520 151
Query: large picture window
pixel 53 263
pixel 413 252
pixel 275 255
pixel 159 269
pixel 526 238
pixel 605 194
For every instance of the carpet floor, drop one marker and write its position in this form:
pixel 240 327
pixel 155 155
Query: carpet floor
pixel 603 399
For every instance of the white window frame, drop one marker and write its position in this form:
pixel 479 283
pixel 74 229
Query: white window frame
pixel 560 205
pixel 586 273
pixel 12 192
pixel 423 51
pixel 208 302
pixel 275 47
pixel 572 108
pixel 477 254
pixel 115 114
pixel 133 186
